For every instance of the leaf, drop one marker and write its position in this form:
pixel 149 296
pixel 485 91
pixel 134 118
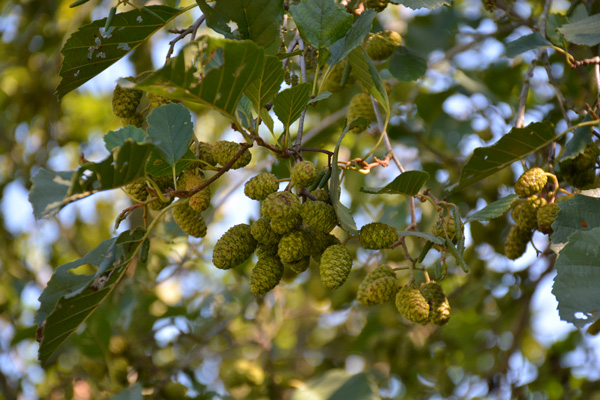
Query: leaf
pixel 257 20
pixel 158 166
pixel 554 22
pixel 584 32
pixel 90 50
pixel 319 97
pixel 133 393
pixel 211 71
pixel 244 113
pixel 117 138
pixel 458 257
pixel 578 278
pixel 581 138
pixel 52 191
pixel 366 72
pixel 261 90
pixel 337 384
pixel 526 43
pixel 321 22
pixel 422 235
pixel 407 65
pixel 514 146
pixel 48 190
pixel 494 210
pixel 288 104
pixel 170 129
pixel 581 213
pixel 416 4
pixel 409 183
pixel 343 213
pixel 69 299
pixel 362 26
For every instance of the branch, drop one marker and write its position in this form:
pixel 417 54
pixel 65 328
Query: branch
pixel 192 30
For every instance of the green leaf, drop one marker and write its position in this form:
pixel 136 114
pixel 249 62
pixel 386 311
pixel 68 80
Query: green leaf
pixel 170 129
pixel 514 146
pixel 584 32
pixel 423 235
pixel 70 299
pixel 581 138
pixel 321 22
pixel 409 183
pixel 362 26
pixel 257 20
pixel 416 4
pixel 407 65
pixel 288 104
pixel 554 22
pixel 52 191
pixel 319 97
pixel 90 50
pixel 343 213
pixel 261 90
pixel 211 71
pixel 133 393
pixel 581 213
pixel 158 166
pixel 526 43
pixel 578 278
pixel 48 191
pixel 366 72
pixel 114 139
pixel 337 384
pixel 244 113
pixel 458 257
pixel 495 209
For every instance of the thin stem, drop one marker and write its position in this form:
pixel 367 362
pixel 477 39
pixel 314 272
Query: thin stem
pixel 192 30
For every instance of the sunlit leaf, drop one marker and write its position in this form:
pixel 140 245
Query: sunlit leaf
pixel 581 138
pixel 91 50
pixel 257 20
pixel 495 209
pixel 288 104
pixel 211 71
pixel 409 182
pixel 337 384
pixel 578 278
pixel 514 146
pixel 321 22
pixel 261 90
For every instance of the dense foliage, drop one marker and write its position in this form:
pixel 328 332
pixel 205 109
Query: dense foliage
pixel 312 199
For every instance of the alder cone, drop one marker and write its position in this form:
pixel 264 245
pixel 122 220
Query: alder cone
pixel 137 190
pixel 439 307
pixel 204 152
pixel 380 46
pixel 412 305
pixel 261 186
pixel 319 216
pixel 382 271
pixel 262 232
pixel 266 274
pixel 281 226
pixel 298 266
pixel 303 173
pixel 377 235
pixel 546 215
pixel 336 264
pixel 293 246
pixel 125 101
pixel 224 150
pixel 382 290
pixel 516 242
pixel 334 81
pixel 234 247
pixel 199 201
pixel 527 213
pixel 190 221
pixel 266 250
pixel 360 106
pixel 283 205
pixel 445 228
pixel 319 241
pixel 531 182
pixel 321 194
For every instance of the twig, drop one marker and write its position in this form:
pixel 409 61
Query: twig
pixel 290 48
pixel 520 121
pixel 192 30
pixel 298 142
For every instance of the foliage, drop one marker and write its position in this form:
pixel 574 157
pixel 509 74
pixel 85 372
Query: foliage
pixel 129 212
